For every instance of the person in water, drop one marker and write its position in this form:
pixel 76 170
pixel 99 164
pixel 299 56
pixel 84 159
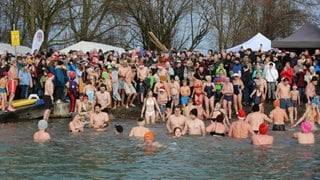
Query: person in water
pixel 256 117
pixel 262 138
pixel 99 120
pixel 118 129
pixel 240 128
pixel 217 127
pixel 177 132
pixel 305 136
pixel 278 116
pixel 194 126
pixel 41 135
pixel 149 143
pixel 139 130
pixel 77 124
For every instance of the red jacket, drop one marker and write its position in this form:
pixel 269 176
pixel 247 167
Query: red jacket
pixel 287 74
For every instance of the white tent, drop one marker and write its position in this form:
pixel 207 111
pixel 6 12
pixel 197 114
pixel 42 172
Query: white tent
pixel 254 44
pixel 19 49
pixel 86 46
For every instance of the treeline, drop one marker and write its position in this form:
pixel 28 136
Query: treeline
pixel 176 23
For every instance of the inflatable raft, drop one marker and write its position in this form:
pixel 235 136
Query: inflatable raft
pixel 24 102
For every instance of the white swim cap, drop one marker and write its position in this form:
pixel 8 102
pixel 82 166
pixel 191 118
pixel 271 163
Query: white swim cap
pixel 42 124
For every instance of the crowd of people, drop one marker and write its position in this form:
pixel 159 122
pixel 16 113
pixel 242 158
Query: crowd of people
pixel 186 90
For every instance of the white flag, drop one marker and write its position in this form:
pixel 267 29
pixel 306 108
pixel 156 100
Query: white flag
pixel 37 40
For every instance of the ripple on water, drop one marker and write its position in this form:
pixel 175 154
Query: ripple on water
pixel 100 155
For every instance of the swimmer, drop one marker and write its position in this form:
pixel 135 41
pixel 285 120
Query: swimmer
pixel 41 135
pixel 99 120
pixel 150 143
pixel 305 136
pixel 176 120
pixel 262 138
pixel 177 132
pixel 139 130
pixel 240 128
pixel 278 116
pixel 77 124
pixel 256 117
pixel 194 126
pixel 218 126
pixel 118 129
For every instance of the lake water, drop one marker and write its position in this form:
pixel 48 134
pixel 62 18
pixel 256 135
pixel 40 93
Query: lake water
pixel 103 155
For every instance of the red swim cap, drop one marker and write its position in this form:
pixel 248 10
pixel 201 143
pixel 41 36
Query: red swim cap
pixel 263 128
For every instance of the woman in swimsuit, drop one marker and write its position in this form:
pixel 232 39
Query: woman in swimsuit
pixel 217 111
pixel 90 91
pixel 237 92
pixel 197 91
pixel 209 93
pixel 217 127
pixel 149 105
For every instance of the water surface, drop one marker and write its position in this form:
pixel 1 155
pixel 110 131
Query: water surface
pixel 101 155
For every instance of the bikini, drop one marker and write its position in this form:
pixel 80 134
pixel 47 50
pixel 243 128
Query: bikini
pixel 150 102
pixel 214 133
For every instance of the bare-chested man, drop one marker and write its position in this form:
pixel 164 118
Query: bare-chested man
pixel 12 83
pixel 194 126
pixel 122 71
pixel 227 91
pixel 283 93
pixel 311 89
pixel 256 117
pixel 41 135
pixel 185 93
pixel 103 98
pixel 262 138
pixel 142 73
pixel 77 124
pixel 98 119
pixel 48 96
pixel 262 84
pixel 139 130
pixel 176 120
pixel 278 116
pixel 240 128
pixel 129 89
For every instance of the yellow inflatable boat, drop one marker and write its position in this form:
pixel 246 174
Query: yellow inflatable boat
pixel 23 102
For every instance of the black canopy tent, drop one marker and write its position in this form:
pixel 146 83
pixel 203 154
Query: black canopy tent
pixel 308 36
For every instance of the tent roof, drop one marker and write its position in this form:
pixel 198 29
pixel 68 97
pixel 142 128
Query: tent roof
pixel 254 44
pixel 4 47
pixel 308 36
pixel 86 46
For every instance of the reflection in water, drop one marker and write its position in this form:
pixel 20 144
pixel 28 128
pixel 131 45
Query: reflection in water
pixel 97 155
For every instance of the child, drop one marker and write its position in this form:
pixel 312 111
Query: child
pixel 162 100
pixel 72 87
pixel 3 90
pixel 185 93
pixel 295 99
pixel 41 135
pixel 257 96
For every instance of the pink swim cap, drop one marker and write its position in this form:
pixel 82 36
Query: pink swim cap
pixel 306 127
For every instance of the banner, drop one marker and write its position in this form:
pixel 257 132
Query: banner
pixel 37 40
pixel 15 38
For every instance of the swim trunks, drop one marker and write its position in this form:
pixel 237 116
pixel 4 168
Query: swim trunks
pixel 294 103
pixel 12 86
pixel 47 102
pixel 278 127
pixel 228 97
pixel 256 131
pixel 2 90
pixel 184 100
pixel 285 103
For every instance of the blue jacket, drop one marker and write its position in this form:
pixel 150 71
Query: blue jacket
pixel 60 76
